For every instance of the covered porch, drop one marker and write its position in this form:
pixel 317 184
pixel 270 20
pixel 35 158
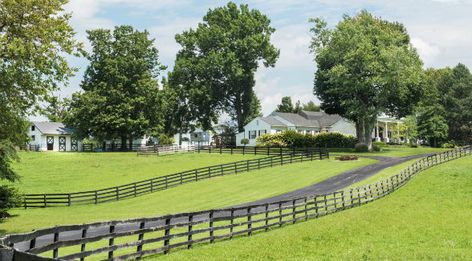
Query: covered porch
pixel 389 130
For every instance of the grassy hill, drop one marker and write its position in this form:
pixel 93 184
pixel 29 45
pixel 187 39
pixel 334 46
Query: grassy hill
pixel 428 219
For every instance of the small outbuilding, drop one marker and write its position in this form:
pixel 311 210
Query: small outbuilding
pixel 52 136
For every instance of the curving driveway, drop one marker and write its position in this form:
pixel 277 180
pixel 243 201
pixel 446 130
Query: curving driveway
pixel 329 185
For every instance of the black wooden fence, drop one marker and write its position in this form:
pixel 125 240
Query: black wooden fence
pixel 139 237
pixel 163 182
pixel 255 150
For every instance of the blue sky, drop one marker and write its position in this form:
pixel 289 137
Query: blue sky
pixel 441 30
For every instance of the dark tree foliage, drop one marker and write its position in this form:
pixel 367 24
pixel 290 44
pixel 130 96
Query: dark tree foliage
pixel 455 91
pixel 366 67
pixel 120 97
pixel 34 38
pixel 218 60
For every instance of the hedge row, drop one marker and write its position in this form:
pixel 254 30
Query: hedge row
pixel 292 138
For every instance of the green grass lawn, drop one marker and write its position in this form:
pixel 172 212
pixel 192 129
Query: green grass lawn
pixel 428 219
pixel 71 172
pixel 212 193
pixel 390 151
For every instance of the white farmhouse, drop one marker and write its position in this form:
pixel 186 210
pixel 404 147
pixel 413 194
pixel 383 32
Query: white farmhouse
pixel 308 122
pixel 52 136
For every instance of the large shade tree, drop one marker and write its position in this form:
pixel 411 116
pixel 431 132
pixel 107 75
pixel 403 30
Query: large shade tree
pixel 35 36
pixel 366 67
pixel 120 98
pixel 218 60
pixel 455 94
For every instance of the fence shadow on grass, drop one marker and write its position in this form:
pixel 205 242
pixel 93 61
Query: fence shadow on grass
pixel 135 238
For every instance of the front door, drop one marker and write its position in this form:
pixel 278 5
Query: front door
pixel 50 142
pixel 62 143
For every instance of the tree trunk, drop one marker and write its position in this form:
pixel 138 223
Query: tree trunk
pixel 123 142
pixel 180 137
pixel 130 148
pixel 364 128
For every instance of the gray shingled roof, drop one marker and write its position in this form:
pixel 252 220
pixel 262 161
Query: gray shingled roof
pixel 52 127
pixel 309 118
pixel 297 119
pixel 323 118
pixel 271 120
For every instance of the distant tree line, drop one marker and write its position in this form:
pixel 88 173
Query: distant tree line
pixel 286 105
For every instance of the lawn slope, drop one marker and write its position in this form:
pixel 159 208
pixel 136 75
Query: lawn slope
pixel 211 193
pixel 430 218
pixel 72 172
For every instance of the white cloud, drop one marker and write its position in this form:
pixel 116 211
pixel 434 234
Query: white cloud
pixel 426 51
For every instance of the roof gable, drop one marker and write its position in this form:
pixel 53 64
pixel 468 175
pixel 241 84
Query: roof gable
pixel 52 128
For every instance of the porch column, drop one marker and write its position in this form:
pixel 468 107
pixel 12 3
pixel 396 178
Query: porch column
pixel 377 134
pixel 398 132
pixel 387 139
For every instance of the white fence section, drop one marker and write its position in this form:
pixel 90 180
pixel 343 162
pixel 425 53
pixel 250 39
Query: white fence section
pixel 165 150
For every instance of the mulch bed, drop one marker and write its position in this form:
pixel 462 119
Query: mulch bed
pixel 346 157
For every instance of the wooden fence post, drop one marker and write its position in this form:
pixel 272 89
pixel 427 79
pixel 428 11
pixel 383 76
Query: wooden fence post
pixel 111 241
pixel 249 222
pixel 96 196
pixel 231 228
pixel 166 236
pixel 210 225
pixel 55 252
pixel 140 237
pixel 68 199
pixel 294 211
pixel 280 214
pixel 266 217
pixel 190 227
pixel 82 247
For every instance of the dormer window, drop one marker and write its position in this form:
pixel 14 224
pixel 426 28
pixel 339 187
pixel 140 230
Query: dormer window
pixel 33 128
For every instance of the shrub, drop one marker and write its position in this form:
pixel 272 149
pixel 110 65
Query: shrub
pixel 361 147
pixel 334 140
pixel 271 140
pixel 245 141
pixel 165 140
pixel 448 145
pixel 380 143
pixel 292 138
pixel 9 198
pixel 376 147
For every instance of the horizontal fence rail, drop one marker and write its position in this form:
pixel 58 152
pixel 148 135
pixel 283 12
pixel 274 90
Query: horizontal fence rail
pixel 164 182
pixel 135 238
pixel 255 150
pixel 165 150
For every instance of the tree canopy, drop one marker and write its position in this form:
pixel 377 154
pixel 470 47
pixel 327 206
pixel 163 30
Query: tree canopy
pixel 217 62
pixel 120 97
pixel 286 105
pixel 35 36
pixel 366 67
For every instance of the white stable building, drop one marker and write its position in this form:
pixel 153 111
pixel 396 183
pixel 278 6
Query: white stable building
pixel 308 122
pixel 52 136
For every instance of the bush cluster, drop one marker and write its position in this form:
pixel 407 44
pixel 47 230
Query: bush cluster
pixel 361 147
pixel 292 138
pixel 9 198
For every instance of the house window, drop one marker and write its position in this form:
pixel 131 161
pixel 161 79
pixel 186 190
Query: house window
pixel 262 132
pixel 252 135
pixel 33 128
pixel 33 137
